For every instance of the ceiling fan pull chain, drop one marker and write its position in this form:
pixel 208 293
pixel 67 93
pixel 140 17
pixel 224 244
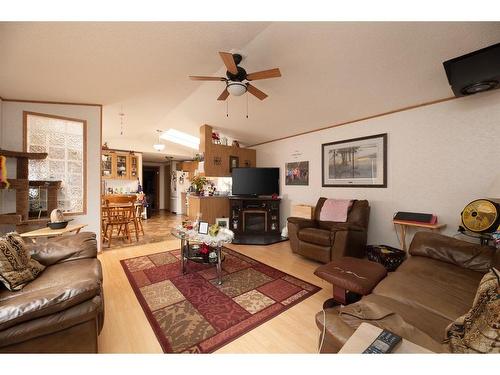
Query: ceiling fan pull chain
pixel 227 108
pixel 247 103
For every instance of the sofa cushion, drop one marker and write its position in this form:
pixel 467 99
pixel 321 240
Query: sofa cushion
pixel 478 331
pixel 442 288
pixel 316 236
pixel 57 288
pixel 49 324
pixel 451 250
pixel 16 266
pixel 427 321
pixel 342 321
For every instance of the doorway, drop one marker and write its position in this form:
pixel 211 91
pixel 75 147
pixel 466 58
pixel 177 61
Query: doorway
pixel 151 187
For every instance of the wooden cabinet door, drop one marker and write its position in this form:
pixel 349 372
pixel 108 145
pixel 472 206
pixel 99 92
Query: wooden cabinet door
pixel 134 167
pixel 108 165
pixel 122 166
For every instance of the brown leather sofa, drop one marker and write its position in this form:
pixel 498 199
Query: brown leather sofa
pixel 431 289
pixel 62 310
pixel 327 240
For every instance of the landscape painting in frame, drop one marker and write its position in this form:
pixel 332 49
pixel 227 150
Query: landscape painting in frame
pixel 355 162
pixel 297 173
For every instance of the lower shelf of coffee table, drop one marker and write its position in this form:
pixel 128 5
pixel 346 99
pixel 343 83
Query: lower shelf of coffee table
pixel 198 259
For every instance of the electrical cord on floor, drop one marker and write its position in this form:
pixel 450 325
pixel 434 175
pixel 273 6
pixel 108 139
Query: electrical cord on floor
pixel 321 340
pixel 322 337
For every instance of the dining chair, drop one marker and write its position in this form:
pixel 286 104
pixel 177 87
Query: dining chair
pixel 129 199
pixel 120 218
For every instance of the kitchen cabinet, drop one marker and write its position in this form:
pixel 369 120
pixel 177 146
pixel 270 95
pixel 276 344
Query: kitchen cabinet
pixel 120 165
pixel 134 167
pixel 108 165
pixel 218 157
pixel 188 166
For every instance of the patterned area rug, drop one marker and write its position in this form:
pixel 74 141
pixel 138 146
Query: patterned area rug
pixel 190 313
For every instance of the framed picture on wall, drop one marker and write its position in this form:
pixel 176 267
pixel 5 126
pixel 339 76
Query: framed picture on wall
pixel 297 173
pixel 357 162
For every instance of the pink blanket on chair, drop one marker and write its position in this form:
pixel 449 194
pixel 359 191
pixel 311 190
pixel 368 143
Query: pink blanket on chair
pixel 335 210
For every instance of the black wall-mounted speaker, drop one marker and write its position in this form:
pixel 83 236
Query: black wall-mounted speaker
pixel 474 72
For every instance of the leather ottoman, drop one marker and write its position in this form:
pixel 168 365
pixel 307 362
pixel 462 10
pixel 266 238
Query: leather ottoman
pixel 351 278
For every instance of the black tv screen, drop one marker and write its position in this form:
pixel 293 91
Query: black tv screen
pixel 256 181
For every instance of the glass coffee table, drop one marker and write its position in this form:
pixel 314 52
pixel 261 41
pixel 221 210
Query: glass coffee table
pixel 190 241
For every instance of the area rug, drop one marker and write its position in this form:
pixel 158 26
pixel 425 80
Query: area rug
pixel 190 313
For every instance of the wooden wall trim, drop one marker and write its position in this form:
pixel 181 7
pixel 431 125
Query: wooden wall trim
pixel 358 120
pixel 49 102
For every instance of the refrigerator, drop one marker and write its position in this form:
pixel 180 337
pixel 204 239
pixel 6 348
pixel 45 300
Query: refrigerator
pixel 179 184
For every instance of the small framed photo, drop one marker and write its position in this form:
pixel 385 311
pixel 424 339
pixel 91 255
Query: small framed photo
pixel 234 162
pixel 203 227
pixel 222 222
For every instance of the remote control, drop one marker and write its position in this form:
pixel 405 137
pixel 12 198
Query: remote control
pixel 384 343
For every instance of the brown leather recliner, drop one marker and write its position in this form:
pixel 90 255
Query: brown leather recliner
pixel 62 310
pixel 327 240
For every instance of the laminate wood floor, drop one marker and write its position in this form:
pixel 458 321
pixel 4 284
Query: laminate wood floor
pixel 126 329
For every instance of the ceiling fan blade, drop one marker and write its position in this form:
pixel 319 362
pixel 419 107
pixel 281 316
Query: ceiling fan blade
pixel 224 94
pixel 264 74
pixel 256 92
pixel 228 60
pixel 205 78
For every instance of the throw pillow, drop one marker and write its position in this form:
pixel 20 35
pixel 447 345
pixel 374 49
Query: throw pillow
pixel 16 266
pixel 478 331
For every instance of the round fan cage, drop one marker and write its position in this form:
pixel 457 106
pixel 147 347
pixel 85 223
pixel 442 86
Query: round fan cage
pixel 481 216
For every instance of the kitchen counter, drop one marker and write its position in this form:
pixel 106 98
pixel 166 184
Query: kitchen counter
pixel 210 208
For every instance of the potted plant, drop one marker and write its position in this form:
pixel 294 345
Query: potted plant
pixel 198 182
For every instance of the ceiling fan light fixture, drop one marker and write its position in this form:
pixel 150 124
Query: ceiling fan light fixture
pixel 236 88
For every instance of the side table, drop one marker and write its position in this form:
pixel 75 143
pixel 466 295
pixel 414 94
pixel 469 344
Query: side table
pixel 47 232
pixel 403 226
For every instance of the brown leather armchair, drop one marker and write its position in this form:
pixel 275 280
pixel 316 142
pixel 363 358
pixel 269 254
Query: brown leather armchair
pixel 325 241
pixel 62 310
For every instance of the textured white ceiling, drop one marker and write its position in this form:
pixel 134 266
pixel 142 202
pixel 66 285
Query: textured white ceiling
pixel 332 72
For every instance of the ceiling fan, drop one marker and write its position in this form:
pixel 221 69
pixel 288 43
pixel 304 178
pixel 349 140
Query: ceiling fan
pixel 236 76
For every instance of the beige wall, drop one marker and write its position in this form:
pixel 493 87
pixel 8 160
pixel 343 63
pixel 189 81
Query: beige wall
pixel 12 139
pixel 440 157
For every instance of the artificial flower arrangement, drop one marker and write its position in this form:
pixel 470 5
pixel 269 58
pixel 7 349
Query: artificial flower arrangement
pixel 198 182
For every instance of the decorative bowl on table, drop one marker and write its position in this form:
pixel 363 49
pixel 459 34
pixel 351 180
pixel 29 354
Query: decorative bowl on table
pixel 58 224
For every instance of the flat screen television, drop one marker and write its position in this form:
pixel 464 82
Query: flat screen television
pixel 256 181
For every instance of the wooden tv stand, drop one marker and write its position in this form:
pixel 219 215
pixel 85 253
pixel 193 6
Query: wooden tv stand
pixel 255 220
